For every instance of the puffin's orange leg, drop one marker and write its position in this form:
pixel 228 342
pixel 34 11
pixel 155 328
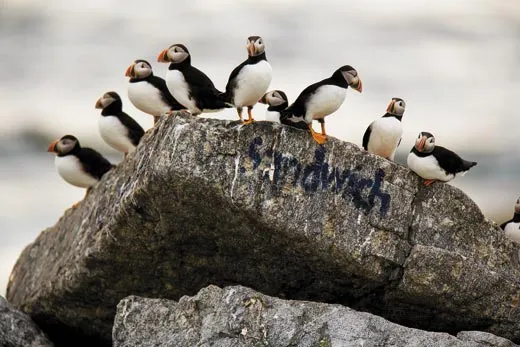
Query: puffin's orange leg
pixel 428 182
pixel 322 121
pixel 239 112
pixel 320 138
pixel 79 202
pixel 250 114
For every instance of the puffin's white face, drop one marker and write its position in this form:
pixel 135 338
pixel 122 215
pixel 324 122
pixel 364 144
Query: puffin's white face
pixel 139 69
pixel 255 45
pixel 105 100
pixel 351 76
pixel 396 106
pixel 425 142
pixel 517 206
pixel 173 54
pixel 64 145
pixel 274 98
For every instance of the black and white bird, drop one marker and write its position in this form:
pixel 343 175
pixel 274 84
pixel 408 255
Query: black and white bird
pixel 80 166
pixel 188 85
pixel 149 93
pixel 436 163
pixel 512 227
pixel 117 128
pixel 323 98
pixel 249 80
pixel 277 102
pixel 383 135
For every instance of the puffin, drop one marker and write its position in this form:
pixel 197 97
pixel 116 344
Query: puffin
pixel 117 128
pixel 149 93
pixel 512 227
pixel 435 163
pixel 383 135
pixel 249 80
pixel 323 98
pixel 277 102
pixel 188 85
pixel 80 166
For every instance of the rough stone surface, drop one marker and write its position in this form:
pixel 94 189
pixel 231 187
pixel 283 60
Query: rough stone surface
pixel 238 316
pixel 18 330
pixel 206 201
pixel 484 339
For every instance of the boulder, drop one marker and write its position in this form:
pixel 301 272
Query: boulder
pixel 239 316
pixel 18 330
pixel 205 201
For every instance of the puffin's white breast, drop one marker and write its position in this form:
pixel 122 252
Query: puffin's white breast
pixel 70 169
pixel 115 133
pixel 272 116
pixel 147 98
pixel 253 80
pixel 512 231
pixel 180 90
pixel 384 137
pixel 428 168
pixel 325 100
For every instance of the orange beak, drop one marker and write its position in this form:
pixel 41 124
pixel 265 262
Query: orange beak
pixel 98 103
pixel 162 57
pixel 251 49
pixel 390 107
pixel 263 100
pixel 420 145
pixel 130 70
pixel 52 146
pixel 359 87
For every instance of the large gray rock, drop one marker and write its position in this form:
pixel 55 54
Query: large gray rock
pixel 18 330
pixel 238 316
pixel 206 201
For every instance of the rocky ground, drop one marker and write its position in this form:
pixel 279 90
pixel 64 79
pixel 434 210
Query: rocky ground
pixel 207 202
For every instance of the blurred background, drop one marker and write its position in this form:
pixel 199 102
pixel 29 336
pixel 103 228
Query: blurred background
pixel 456 64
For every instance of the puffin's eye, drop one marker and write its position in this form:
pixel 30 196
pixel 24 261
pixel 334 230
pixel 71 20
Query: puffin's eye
pixel 400 104
pixel 259 42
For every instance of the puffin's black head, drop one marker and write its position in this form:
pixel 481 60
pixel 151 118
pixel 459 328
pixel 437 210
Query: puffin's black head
pixel 110 101
pixel 274 98
pixel 349 74
pixel 255 46
pixel 174 54
pixel 425 142
pixel 139 69
pixel 517 206
pixel 396 106
pixel 68 144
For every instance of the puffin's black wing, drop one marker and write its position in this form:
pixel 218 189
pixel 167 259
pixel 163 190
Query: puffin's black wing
pixel 232 82
pixel 299 106
pixel 203 90
pixel 366 137
pixel 288 118
pixel 160 84
pixel 450 161
pixel 94 163
pixel 135 131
